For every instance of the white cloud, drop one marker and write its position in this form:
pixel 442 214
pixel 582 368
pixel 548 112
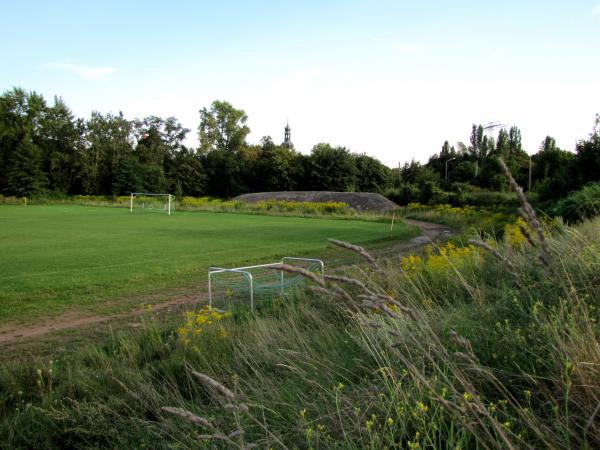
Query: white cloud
pixel 86 73
pixel 405 47
pixel 596 10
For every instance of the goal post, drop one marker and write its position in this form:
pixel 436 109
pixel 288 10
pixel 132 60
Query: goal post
pixel 258 283
pixel 152 200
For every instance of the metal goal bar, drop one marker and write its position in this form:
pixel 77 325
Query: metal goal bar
pixel 148 194
pixel 246 272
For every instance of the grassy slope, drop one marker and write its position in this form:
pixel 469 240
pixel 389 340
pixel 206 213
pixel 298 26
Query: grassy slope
pixel 57 257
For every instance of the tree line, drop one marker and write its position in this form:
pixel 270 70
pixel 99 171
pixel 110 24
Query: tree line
pixel 46 150
pixel 550 173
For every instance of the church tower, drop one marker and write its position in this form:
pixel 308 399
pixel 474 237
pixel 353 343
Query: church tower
pixel 287 140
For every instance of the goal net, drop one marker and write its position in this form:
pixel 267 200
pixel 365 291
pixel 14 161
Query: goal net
pixel 152 202
pixel 252 285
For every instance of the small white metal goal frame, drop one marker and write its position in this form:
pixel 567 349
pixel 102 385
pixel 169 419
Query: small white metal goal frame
pixel 148 194
pixel 247 274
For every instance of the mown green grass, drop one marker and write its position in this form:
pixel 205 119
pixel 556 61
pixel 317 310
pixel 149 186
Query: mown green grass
pixel 58 257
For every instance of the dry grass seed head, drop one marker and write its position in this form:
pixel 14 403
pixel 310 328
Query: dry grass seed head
pixel 492 251
pixel 187 415
pixel 355 248
pixel 527 212
pixel 215 385
pixel 299 270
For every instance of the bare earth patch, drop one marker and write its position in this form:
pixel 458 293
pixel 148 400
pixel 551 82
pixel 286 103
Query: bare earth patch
pixel 16 333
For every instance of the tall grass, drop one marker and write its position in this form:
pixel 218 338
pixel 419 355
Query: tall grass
pixel 266 206
pixel 279 207
pixel 488 345
pixel 469 220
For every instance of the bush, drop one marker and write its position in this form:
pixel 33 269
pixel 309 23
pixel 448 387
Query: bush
pixel 464 219
pixel 490 199
pixel 403 195
pixel 10 200
pixel 580 205
pixel 266 206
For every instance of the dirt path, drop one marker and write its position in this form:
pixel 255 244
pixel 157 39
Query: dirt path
pixel 14 333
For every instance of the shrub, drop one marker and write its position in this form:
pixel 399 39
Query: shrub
pixel 580 205
pixel 266 206
pixel 465 219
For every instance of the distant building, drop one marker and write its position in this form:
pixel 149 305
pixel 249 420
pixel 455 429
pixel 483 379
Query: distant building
pixel 287 140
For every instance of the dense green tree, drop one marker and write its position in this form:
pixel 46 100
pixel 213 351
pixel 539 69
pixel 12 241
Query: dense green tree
pixel 462 170
pixel 478 147
pixel 24 170
pixel 222 133
pixel 165 163
pixel 151 154
pixel 502 144
pixel 109 141
pixel 44 148
pixel 514 141
pixel 548 144
pixel 518 159
pixel 588 155
pixel 332 169
pixel 59 139
pixel 552 170
pixel 417 173
pixel 168 134
pixel 128 176
pixel 186 173
pixel 224 173
pixel 222 127
pixel 21 115
pixel 371 174
pixel 446 158
pixel 278 168
pixel 482 146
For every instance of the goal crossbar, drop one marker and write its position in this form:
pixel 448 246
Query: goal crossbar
pixel 150 194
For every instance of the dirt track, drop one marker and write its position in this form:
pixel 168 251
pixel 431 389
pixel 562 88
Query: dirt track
pixel 15 333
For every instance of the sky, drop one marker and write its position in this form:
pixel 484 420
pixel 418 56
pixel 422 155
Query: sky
pixel 392 79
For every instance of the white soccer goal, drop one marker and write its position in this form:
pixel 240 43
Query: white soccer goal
pixel 151 202
pixel 257 283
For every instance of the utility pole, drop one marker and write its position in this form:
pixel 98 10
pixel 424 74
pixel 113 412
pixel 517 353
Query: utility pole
pixel 399 173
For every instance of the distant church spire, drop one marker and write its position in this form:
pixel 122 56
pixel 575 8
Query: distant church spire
pixel 287 140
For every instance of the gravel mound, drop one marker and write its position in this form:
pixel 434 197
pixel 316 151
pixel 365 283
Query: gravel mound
pixel 361 201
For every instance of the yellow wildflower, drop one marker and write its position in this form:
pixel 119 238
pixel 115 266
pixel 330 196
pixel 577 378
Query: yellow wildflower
pixel 422 407
pixel 410 263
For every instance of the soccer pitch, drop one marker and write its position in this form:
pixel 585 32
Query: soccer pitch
pixel 58 258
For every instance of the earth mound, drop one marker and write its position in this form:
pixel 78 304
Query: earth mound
pixel 361 201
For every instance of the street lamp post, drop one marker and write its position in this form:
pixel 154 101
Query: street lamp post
pixel 529 185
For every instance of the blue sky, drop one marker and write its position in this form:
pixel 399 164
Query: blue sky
pixel 392 79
